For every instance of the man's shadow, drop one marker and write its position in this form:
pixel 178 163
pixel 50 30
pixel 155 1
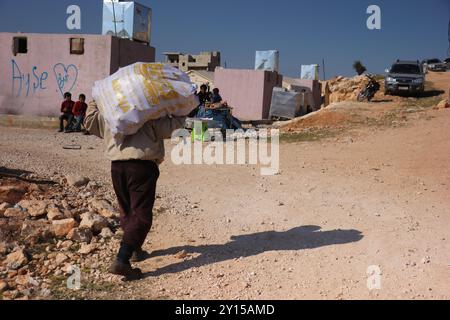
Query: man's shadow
pixel 299 238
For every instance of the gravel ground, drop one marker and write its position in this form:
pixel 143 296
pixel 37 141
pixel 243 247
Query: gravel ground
pixel 339 207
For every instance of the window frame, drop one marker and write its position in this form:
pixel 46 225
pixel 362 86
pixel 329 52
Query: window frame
pixel 16 45
pixel 77 52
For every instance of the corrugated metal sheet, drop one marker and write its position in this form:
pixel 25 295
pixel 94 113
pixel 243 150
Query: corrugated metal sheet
pixel 285 104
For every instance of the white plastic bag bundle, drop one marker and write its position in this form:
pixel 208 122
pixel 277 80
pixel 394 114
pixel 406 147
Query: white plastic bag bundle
pixel 267 60
pixel 142 92
pixel 310 72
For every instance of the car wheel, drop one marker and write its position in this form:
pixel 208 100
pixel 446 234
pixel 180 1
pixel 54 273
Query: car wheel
pixel 361 97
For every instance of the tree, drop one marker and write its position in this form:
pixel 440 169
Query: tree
pixel 359 68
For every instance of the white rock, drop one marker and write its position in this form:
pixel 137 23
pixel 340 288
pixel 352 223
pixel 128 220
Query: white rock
pixel 54 214
pixel 37 208
pixel 106 233
pixel 76 180
pixel 45 293
pixel 66 244
pixel 60 258
pixel 93 221
pixel 14 213
pixel 87 248
pixel 104 208
pixel 426 260
pixel 33 282
pixel 22 280
pixel 16 259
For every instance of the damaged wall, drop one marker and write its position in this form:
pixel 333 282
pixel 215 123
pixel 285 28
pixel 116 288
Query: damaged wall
pixel 34 82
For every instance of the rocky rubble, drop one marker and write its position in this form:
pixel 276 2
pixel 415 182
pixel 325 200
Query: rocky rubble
pixel 444 104
pixel 46 229
pixel 347 89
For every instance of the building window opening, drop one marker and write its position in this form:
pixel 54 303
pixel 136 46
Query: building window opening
pixel 20 45
pixel 76 46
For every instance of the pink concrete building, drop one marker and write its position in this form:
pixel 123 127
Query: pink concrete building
pixel 249 92
pixel 36 69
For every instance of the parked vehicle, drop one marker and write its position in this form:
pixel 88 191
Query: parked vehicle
pixel 447 63
pixel 405 77
pixel 370 90
pixel 434 65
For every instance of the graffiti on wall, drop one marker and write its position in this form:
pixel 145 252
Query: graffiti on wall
pixel 26 84
pixel 66 77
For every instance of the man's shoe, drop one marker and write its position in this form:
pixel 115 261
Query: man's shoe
pixel 126 270
pixel 140 255
pixel 60 130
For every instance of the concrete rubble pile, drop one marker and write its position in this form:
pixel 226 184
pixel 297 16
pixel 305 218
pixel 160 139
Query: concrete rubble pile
pixel 346 89
pixel 48 229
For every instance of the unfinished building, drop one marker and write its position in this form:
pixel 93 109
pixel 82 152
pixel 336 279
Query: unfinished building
pixel 206 61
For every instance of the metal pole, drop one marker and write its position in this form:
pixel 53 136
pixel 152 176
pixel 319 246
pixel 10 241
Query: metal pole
pixel 448 52
pixel 114 19
pixel 323 66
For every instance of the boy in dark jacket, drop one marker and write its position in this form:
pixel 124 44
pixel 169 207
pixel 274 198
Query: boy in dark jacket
pixel 66 110
pixel 79 112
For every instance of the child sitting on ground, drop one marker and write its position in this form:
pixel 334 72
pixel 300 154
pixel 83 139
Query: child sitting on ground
pixel 79 112
pixel 66 110
pixel 216 98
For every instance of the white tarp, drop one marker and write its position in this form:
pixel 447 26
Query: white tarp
pixel 267 60
pixel 129 20
pixel 142 92
pixel 310 72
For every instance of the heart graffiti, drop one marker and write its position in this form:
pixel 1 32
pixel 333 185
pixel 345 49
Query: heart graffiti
pixel 66 77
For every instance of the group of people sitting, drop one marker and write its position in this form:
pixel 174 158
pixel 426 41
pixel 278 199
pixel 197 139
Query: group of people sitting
pixel 73 113
pixel 213 107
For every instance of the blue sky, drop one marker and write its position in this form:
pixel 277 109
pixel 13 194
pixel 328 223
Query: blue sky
pixel 304 32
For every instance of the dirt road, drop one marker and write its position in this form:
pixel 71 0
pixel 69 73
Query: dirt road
pixel 365 199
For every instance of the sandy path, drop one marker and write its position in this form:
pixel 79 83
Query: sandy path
pixel 311 232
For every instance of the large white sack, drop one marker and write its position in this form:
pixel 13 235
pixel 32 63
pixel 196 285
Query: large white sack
pixel 267 60
pixel 310 72
pixel 142 92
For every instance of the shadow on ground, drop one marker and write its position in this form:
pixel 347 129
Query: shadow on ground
pixel 382 100
pixel 431 93
pixel 7 172
pixel 21 175
pixel 425 94
pixel 299 238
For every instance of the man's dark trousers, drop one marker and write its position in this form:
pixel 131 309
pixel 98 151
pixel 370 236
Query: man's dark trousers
pixel 65 116
pixel 134 182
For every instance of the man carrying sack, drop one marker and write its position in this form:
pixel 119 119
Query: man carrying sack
pixel 134 172
pixel 137 108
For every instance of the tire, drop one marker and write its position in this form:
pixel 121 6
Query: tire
pixel 362 96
